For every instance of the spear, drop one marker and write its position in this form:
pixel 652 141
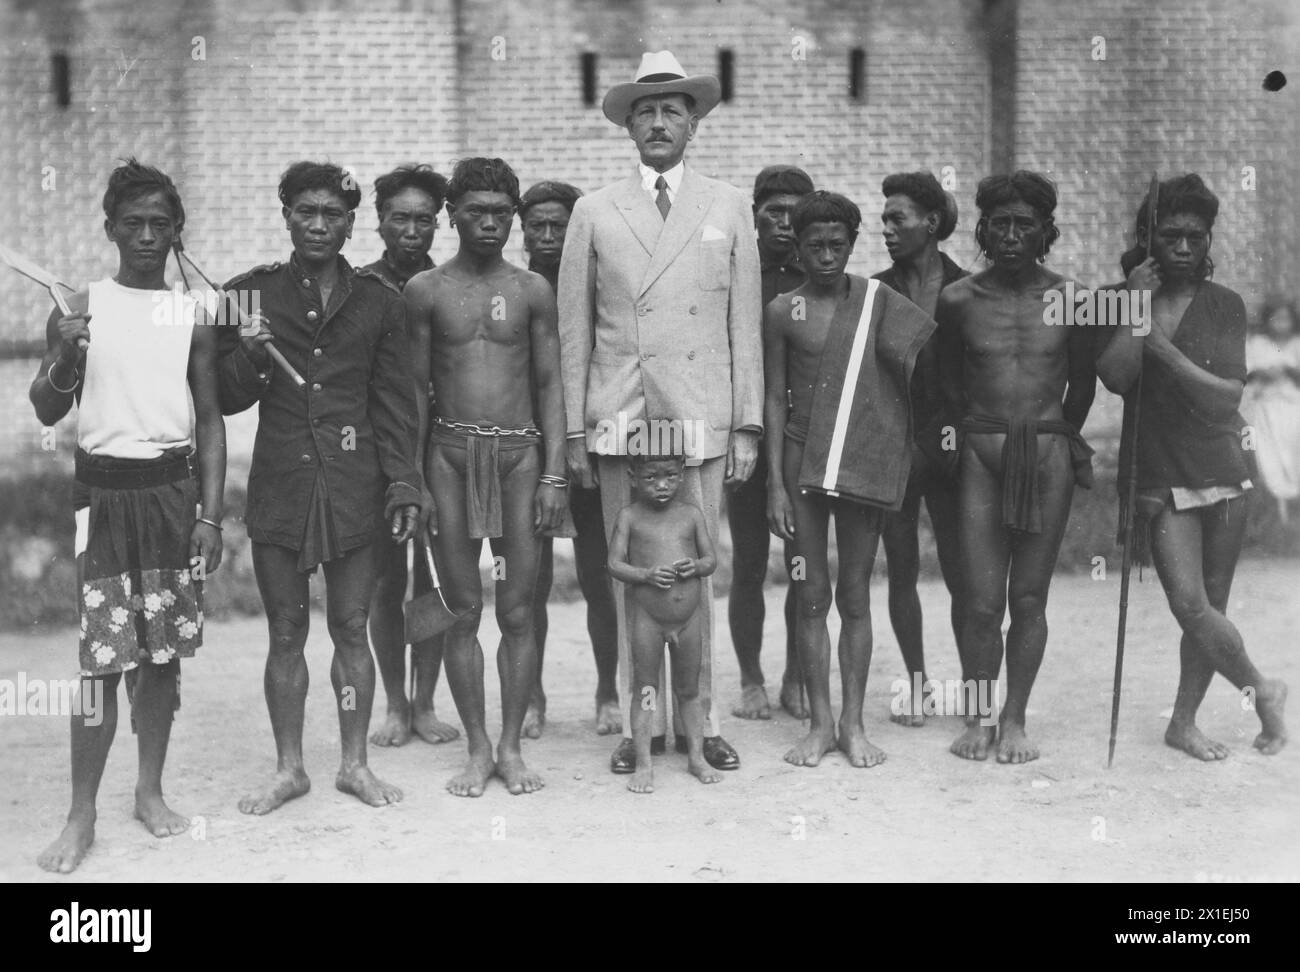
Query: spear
pixel 1130 499
pixel 182 258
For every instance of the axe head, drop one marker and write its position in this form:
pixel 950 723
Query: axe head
pixel 33 271
pixel 428 615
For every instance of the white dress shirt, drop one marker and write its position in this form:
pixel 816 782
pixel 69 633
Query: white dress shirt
pixel 673 177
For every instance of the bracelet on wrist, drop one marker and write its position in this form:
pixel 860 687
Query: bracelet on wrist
pixel 212 523
pixel 559 482
pixel 49 376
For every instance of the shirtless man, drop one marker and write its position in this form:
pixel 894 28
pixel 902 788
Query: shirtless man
pixel 407 200
pixel 484 331
pixel 917 215
pixel 826 225
pixel 1022 390
pixel 660 549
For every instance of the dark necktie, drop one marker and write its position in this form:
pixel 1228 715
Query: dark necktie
pixel 662 200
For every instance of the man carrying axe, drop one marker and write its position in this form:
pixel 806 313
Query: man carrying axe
pixel 333 465
pixel 141 469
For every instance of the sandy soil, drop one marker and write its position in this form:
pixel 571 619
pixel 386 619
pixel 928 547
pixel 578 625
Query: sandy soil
pixel 923 815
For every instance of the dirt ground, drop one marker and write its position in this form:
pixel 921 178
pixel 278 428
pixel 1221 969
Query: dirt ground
pixel 922 816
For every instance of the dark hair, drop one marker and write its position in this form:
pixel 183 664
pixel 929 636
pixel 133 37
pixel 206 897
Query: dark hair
pixel 1182 194
pixel 482 175
pixel 821 206
pixel 781 180
pixel 131 180
pixel 636 460
pixel 1031 188
pixel 420 177
pixel 545 192
pixel 303 176
pixel 1274 303
pixel 924 190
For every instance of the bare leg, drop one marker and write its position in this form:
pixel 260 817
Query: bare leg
pixel 517 653
pixel 590 555
pixel 457 559
pixel 1196 553
pixel 685 649
pixel 986 555
pixel 746 610
pixel 349 581
pixel 284 595
pixel 941 498
pixel 902 556
pixel 794 697
pixel 535 715
pixel 426 657
pixel 811 516
pixel 387 634
pixel 90 746
pixel 857 533
pixel 155 706
pixel 1033 559
pixel 647 643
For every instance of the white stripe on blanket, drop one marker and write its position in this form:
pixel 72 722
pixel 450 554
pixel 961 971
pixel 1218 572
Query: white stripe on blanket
pixel 845 407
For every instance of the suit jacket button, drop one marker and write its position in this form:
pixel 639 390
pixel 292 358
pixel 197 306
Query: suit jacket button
pixel 316 387
pixel 694 309
pixel 316 352
pixel 691 355
pixel 305 460
pixel 312 315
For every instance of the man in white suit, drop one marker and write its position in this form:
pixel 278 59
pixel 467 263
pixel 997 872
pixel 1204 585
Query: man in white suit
pixel 660 308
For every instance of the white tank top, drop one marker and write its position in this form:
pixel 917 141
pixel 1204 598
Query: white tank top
pixel 135 402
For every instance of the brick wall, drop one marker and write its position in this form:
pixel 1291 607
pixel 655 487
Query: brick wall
pixel 370 84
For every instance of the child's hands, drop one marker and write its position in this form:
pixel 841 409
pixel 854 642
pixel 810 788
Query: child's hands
pixel 686 567
pixel 661 576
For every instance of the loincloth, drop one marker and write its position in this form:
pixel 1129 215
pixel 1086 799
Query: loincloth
pixel 138 600
pixel 1021 506
pixel 482 446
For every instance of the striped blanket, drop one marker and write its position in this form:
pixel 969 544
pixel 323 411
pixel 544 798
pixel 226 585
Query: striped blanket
pixel 860 430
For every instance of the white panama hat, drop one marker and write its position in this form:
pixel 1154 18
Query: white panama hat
pixel 660 73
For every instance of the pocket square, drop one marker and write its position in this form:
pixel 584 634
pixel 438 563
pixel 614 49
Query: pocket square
pixel 711 233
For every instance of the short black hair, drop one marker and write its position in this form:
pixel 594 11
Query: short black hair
pixel 780 180
pixel 636 460
pixel 1182 194
pixel 417 176
pixel 132 179
pixel 482 175
pixel 821 206
pixel 924 190
pixel 1031 188
pixel 548 191
pixel 302 176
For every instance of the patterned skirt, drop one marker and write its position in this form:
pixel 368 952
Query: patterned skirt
pixel 140 600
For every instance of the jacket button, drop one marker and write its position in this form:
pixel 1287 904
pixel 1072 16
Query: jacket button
pixel 691 355
pixel 306 283
pixel 316 386
pixel 305 460
pixel 694 309
pixel 312 315
pixel 316 352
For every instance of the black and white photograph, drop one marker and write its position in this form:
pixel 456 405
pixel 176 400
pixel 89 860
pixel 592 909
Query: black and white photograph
pixel 651 441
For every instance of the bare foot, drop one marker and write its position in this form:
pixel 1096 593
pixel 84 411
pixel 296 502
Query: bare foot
pixel 794 699
pixel 426 725
pixel 284 786
pixel 974 743
pixel 1195 743
pixel 702 771
pixel 812 748
pixel 913 712
pixel 862 754
pixel 396 730
pixel 366 787
pixel 753 704
pixel 609 721
pixel 518 777
pixel 472 781
pixel 69 847
pixel 534 720
pixel 642 781
pixel 158 818
pixel 1270 701
pixel 1013 745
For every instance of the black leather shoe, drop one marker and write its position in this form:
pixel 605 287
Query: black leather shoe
pixel 623 759
pixel 717 752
